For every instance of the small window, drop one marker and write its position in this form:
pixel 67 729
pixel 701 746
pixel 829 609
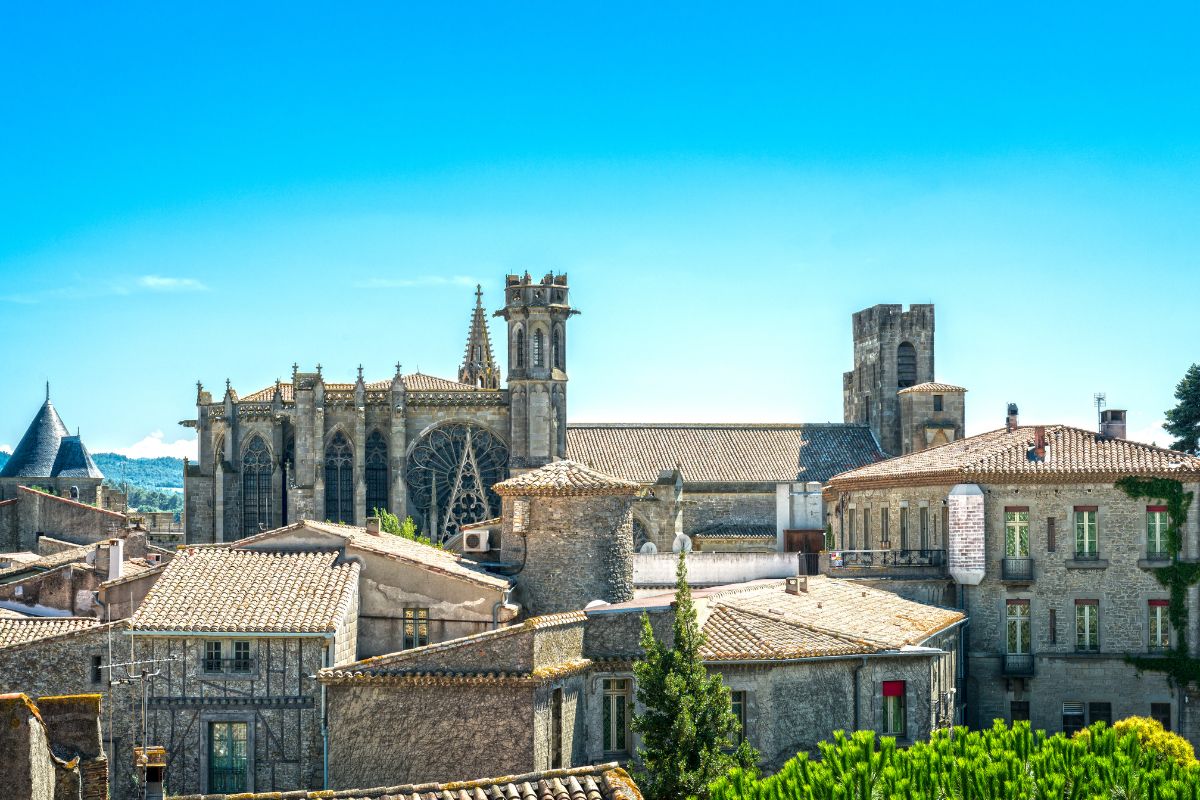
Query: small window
pixel 1100 712
pixel 1159 627
pixel 853 529
pixel 867 409
pixel 97 669
pixel 416 627
pixel 737 701
pixel 884 533
pixel 1156 532
pixel 1050 532
pixel 1087 626
pixel 539 343
pixel 1072 718
pixel 213 662
pixel 241 657
pixel 904 528
pixel 1162 713
pixel 923 524
pixel 866 529
pixel 519 346
pixel 616 715
pixel 1018 710
pixel 1053 626
pixel 894 718
pixel 937 402
pixel 1085 533
pixel 1018 627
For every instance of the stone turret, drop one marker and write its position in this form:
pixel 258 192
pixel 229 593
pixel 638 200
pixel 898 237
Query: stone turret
pixel 571 529
pixel 537 314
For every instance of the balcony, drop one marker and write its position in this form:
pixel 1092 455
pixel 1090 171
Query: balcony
pixel 1017 665
pixel 228 666
pixel 1016 569
pixel 885 563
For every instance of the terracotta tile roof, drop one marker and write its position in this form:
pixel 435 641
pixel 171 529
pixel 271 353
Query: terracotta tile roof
pixel 931 387
pixel 733 635
pixel 242 591
pixel 593 782
pixel 1000 455
pixel 45 563
pixel 565 479
pixel 15 631
pixel 416 382
pixel 715 453
pixel 393 546
pixel 735 530
pixel 832 614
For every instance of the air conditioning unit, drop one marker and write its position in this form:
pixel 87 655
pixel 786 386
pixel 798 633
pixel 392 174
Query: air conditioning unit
pixel 476 541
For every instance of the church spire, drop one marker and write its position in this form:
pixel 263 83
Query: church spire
pixel 479 365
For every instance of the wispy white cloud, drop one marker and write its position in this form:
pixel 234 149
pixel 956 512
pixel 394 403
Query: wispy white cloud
pixel 426 281
pixel 155 446
pixel 125 286
pixel 158 283
pixel 6 448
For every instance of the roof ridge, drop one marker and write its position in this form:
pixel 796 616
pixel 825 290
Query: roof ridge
pixel 719 425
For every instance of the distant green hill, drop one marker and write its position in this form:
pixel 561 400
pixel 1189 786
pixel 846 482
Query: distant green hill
pixel 147 477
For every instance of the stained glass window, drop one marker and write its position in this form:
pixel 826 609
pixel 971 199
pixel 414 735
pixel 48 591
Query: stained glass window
pixel 256 487
pixel 339 480
pixel 376 463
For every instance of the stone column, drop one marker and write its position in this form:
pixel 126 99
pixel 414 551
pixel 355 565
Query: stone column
pixel 360 465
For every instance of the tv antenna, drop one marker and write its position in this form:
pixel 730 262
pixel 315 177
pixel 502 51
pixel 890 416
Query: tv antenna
pixel 1099 399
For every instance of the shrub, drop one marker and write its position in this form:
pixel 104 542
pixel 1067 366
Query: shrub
pixel 1001 763
pixel 1154 736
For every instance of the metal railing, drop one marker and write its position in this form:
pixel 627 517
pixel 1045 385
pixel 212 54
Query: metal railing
pixel 1016 568
pixel 228 665
pixel 1155 554
pixel 893 558
pixel 228 779
pixel 1089 555
pixel 1018 664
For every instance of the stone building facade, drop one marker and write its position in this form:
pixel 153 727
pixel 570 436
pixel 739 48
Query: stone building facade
pixel 412 444
pixel 235 637
pixel 52 747
pixel 1050 560
pixel 561 686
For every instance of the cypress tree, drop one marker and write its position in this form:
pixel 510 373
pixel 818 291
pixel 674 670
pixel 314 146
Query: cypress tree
pixel 1183 421
pixel 688 728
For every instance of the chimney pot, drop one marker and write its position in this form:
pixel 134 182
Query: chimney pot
pixel 1011 423
pixel 1113 423
pixel 373 525
pixel 796 585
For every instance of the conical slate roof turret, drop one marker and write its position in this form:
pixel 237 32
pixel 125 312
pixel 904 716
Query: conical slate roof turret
pixel 48 450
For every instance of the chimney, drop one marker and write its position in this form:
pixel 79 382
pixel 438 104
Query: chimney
pixel 796 585
pixel 1011 422
pixel 1112 423
pixel 1039 442
pixel 109 555
pixel 373 526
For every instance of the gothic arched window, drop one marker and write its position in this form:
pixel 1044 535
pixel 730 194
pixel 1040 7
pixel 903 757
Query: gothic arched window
pixel 520 348
pixel 256 487
pixel 539 342
pixel 339 480
pixel 376 462
pixel 556 354
pixel 906 365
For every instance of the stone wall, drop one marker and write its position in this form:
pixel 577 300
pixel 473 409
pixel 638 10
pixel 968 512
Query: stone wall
pixel 29 766
pixel 428 730
pixel 1120 580
pixel 574 550
pixel 705 505
pixel 65 665
pixel 66 589
pixel 278 700
pixel 37 513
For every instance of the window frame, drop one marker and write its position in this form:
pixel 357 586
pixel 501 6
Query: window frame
pixel 233 655
pixel 739 703
pixel 1156 531
pixel 1016 532
pixel 1021 624
pixel 1158 626
pixel 1076 710
pixel 1087 533
pixel 895 710
pixel 617 695
pixel 1087 626
pixel 216 787
pixel 415 627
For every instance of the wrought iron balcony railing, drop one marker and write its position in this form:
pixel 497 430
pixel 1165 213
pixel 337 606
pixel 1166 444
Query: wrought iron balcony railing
pixel 229 665
pixel 893 558
pixel 1016 568
pixel 1018 665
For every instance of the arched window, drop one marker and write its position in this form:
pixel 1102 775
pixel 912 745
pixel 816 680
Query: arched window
pixel 539 341
pixel 376 462
pixel 339 480
pixel 906 365
pixel 556 354
pixel 519 345
pixel 256 487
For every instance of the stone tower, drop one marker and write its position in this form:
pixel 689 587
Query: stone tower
pixel 479 364
pixel 893 350
pixel 537 314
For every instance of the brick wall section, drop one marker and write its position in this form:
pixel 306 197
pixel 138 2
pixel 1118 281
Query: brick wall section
pixel 965 539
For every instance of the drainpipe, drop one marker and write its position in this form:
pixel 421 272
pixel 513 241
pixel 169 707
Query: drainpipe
pixel 857 670
pixel 503 601
pixel 325 723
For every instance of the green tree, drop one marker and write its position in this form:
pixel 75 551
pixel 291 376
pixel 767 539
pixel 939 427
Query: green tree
pixel 390 523
pixel 1183 421
pixel 688 728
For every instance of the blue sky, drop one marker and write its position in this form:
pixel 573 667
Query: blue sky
pixel 219 190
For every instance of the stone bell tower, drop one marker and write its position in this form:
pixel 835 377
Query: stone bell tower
pixel 537 314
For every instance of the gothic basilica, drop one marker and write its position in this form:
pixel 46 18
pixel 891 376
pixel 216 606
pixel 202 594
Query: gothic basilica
pixel 414 444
